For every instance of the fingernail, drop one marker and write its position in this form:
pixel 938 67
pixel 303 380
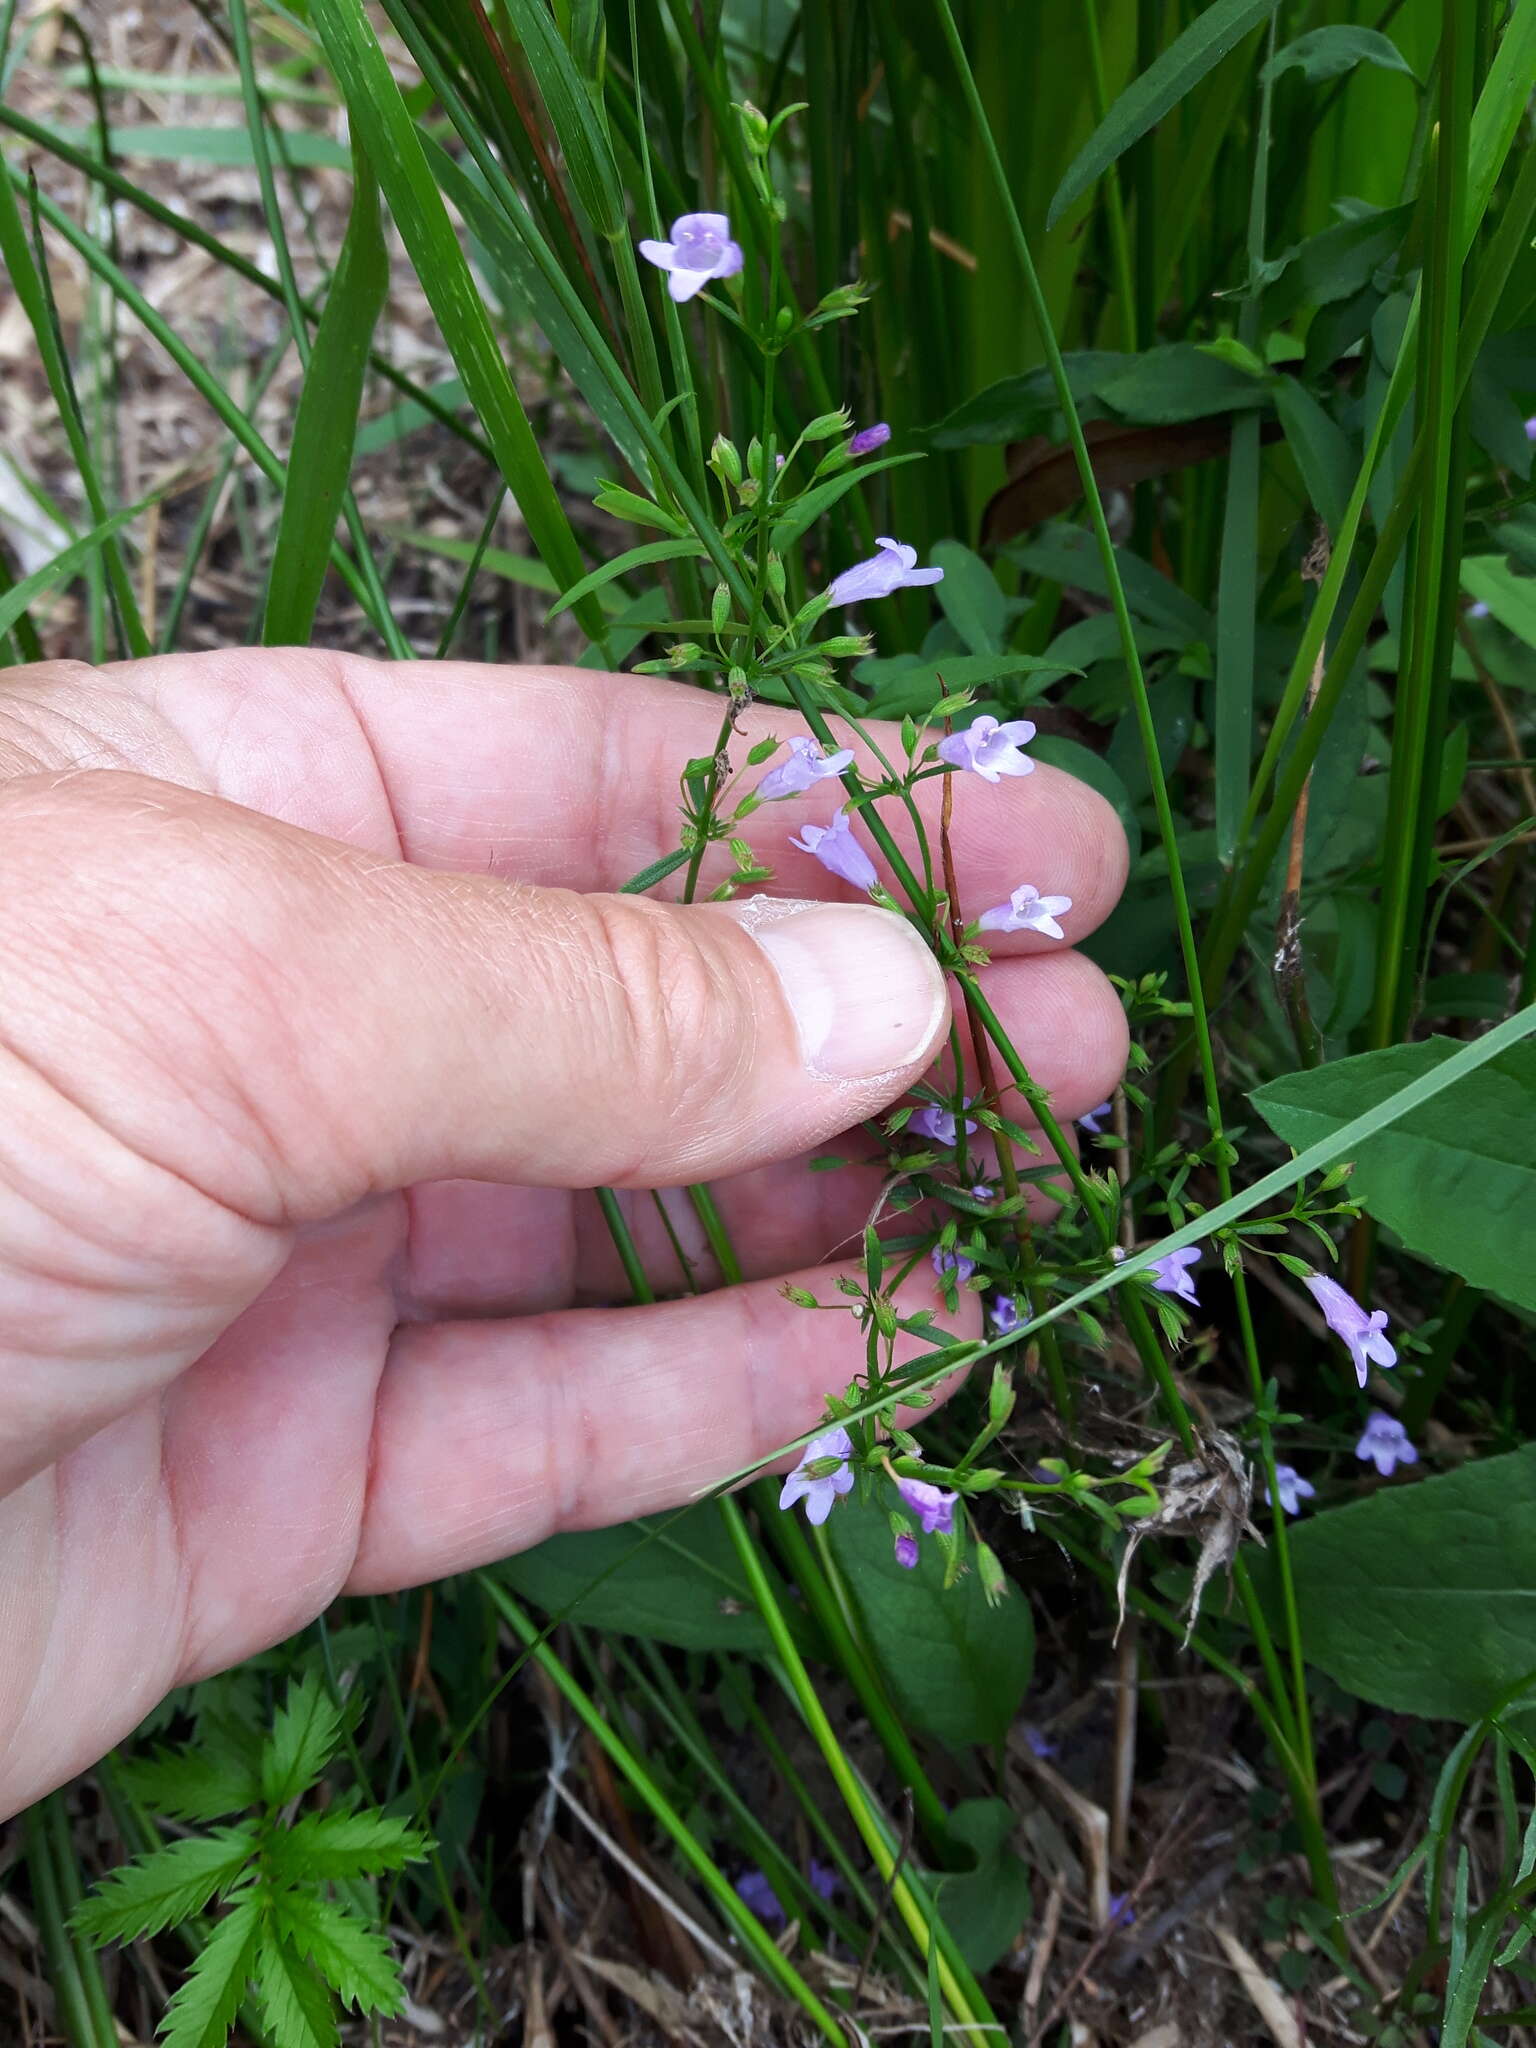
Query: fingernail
pixel 866 994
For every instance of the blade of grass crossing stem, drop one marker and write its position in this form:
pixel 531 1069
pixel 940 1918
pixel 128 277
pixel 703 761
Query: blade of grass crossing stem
pixel 962 1995
pixel 68 562
pixel 1237 597
pixel 1415 745
pixel 380 117
pixel 1176 72
pixel 197 374
pixel 27 282
pixel 744 1923
pixel 325 427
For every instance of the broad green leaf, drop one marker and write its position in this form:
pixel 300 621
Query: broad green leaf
pixel 1334 264
pixel 969 597
pixel 354 1960
pixel 295 2004
pixel 387 131
pixel 1214 31
pixel 1178 382
pixel 1456 1177
pixel 305 1731
pixel 985 1907
pixel 1069 554
pixel 672 1580
pixel 203 2009
pixel 1321 448
pixel 1017 408
pixel 1331 51
pixel 633 558
pixel 1510 598
pixel 320 458
pixel 165 1886
pixel 341 1845
pixel 1418 1598
pixel 954 1667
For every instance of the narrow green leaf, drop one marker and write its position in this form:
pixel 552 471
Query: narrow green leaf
pixel 382 120
pixel 294 2002
pixel 635 558
pixel 354 1960
pixel 305 1732
pixel 1166 81
pixel 798 520
pixel 203 2009
pixel 1321 448
pixel 64 565
pixel 583 142
pixel 163 1887
pixel 320 459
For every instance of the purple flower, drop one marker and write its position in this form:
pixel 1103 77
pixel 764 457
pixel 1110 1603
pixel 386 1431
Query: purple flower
pixel 1362 1333
pixel 756 1893
pixel 940 1124
pixel 700 249
pixel 1027 911
pixel 868 439
pixel 838 851
pixel 933 1507
pixel 1530 429
pixel 983 1192
pixel 820 1491
pixel 989 749
pixel 806 766
pixel 1005 1314
pixel 894 568
pixel 1172 1274
pixel 906 1552
pixel 823 1879
pixel 1478 610
pixel 1385 1444
pixel 1121 1912
pixel 1091 1122
pixel 1038 1744
pixel 946 1262
pixel 1291 1487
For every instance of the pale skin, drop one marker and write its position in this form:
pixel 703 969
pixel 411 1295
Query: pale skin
pixel 316 1025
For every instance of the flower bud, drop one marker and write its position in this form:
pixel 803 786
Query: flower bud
pixel 724 460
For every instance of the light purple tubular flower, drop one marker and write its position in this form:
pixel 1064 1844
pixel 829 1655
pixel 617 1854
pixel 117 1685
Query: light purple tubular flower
pixel 946 1261
pixel 1292 1488
pixel 700 249
pixel 838 851
pixel 1005 1314
pixel 983 1192
pixel 1171 1275
pixel 1478 610
pixel 1385 1444
pixel 1027 911
pixel 1530 429
pixel 940 1124
pixel 819 1494
pixel 868 439
pixel 807 765
pixel 1362 1333
pixel 906 1552
pixel 990 750
pixel 894 568
pixel 932 1505
pixel 823 1879
pixel 757 1894
pixel 1093 1121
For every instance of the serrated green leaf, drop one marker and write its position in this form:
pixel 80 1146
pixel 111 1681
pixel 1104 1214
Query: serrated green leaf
pixel 295 2003
pixel 305 1732
pixel 218 1774
pixel 324 427
pixel 1456 1177
pixel 164 1886
pixel 1180 68
pixel 354 1960
pixel 337 1845
pixel 204 2007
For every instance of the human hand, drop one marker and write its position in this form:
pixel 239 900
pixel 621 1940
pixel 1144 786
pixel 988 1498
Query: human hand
pixel 312 1033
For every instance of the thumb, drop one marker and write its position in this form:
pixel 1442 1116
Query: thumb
pixel 290 1024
